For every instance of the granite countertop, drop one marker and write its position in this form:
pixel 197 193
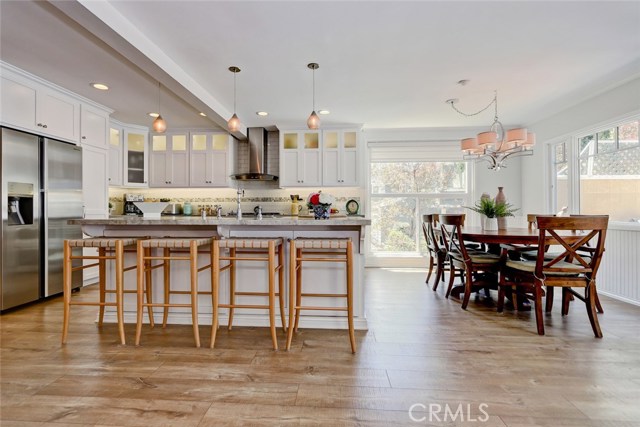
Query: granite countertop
pixel 210 220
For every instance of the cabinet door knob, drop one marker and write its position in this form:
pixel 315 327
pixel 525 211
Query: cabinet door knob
pixel 40 124
pixel 44 126
pixel 84 137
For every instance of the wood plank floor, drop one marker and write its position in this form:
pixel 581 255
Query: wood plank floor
pixel 420 350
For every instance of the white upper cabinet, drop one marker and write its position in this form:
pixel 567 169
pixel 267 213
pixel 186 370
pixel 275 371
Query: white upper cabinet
pixel 32 104
pixel 18 102
pixel 57 115
pixel 340 158
pixel 300 159
pixel 169 162
pixel 210 159
pixel 136 157
pixel 94 127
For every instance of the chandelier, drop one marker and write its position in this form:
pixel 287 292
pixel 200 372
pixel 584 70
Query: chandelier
pixel 495 146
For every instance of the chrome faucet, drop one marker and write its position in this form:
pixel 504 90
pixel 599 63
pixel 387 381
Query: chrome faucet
pixel 240 194
pixel 218 209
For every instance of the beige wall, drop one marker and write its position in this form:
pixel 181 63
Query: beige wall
pixel 619 198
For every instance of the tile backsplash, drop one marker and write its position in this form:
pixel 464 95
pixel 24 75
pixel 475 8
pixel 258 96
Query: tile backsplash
pixel 271 200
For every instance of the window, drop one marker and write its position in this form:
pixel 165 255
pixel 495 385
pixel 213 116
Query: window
pixel 402 191
pixel 609 162
pixel 606 177
pixel 560 176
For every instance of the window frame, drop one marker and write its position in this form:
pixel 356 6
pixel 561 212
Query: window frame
pixel 573 160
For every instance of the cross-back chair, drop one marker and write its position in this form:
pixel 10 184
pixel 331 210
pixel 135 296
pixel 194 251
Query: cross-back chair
pixel 479 268
pixel 570 268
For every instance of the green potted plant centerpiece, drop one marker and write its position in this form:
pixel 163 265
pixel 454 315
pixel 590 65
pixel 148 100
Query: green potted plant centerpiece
pixel 494 214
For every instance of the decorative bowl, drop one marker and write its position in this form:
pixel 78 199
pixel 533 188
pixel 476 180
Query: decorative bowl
pixel 151 209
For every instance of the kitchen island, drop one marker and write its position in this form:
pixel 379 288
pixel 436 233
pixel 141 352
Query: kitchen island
pixel 318 277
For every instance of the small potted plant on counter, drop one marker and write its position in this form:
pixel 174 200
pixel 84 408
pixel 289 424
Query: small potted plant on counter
pixel 494 214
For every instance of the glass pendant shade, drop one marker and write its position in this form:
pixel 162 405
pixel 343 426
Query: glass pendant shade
pixel 159 125
pixel 313 122
pixel 234 123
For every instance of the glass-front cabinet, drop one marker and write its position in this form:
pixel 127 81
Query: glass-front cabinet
pixel 169 163
pixel 210 159
pixel 300 159
pixel 136 157
pixel 340 157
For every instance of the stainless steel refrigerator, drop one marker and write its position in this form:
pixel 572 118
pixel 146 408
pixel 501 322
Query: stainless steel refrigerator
pixel 41 189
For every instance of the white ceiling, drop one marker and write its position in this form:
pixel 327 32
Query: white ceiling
pixel 382 64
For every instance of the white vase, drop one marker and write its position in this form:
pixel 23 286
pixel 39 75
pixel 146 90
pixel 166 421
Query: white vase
pixel 489 224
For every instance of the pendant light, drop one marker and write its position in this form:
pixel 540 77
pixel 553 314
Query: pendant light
pixel 234 122
pixel 313 122
pixel 159 125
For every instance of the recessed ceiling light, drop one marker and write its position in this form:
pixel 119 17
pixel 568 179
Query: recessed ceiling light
pixel 203 114
pixel 262 113
pixel 153 114
pixel 324 112
pixel 100 86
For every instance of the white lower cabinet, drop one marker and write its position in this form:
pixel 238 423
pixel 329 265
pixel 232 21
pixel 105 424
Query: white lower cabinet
pixel 95 188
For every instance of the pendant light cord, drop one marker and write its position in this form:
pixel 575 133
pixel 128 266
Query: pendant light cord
pixel 234 92
pixel 314 90
pixel 159 110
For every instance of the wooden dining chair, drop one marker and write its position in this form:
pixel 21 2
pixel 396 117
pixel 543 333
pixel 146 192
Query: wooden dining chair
pixel 437 253
pixel 568 270
pixel 480 268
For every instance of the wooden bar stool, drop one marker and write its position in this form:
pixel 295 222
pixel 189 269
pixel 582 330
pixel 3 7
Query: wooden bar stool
pixel 318 250
pixel 174 249
pixel 249 249
pixel 109 248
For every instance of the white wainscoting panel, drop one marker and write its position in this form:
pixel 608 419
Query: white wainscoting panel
pixel 619 274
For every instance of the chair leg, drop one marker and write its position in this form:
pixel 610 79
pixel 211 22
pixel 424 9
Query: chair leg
pixel 500 303
pixel 467 290
pixel 538 308
pixel 281 287
pixel 232 287
pixel 452 273
pixel 140 288
pixel 352 336
pixel 549 300
pixel 298 287
pixel 66 283
pixel 292 287
pixel 166 267
pixel 193 264
pixel 215 288
pixel 120 289
pixel 429 273
pixel 102 283
pixel 149 281
pixel 566 301
pixel 598 305
pixel 590 300
pixel 272 292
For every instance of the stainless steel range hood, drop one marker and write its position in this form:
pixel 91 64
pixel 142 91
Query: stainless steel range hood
pixel 257 157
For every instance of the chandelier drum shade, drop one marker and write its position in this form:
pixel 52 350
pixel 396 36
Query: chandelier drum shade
pixel 313 122
pixel 159 124
pixel 495 146
pixel 234 122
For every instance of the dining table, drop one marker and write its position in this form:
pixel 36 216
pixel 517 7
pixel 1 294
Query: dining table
pixel 510 236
